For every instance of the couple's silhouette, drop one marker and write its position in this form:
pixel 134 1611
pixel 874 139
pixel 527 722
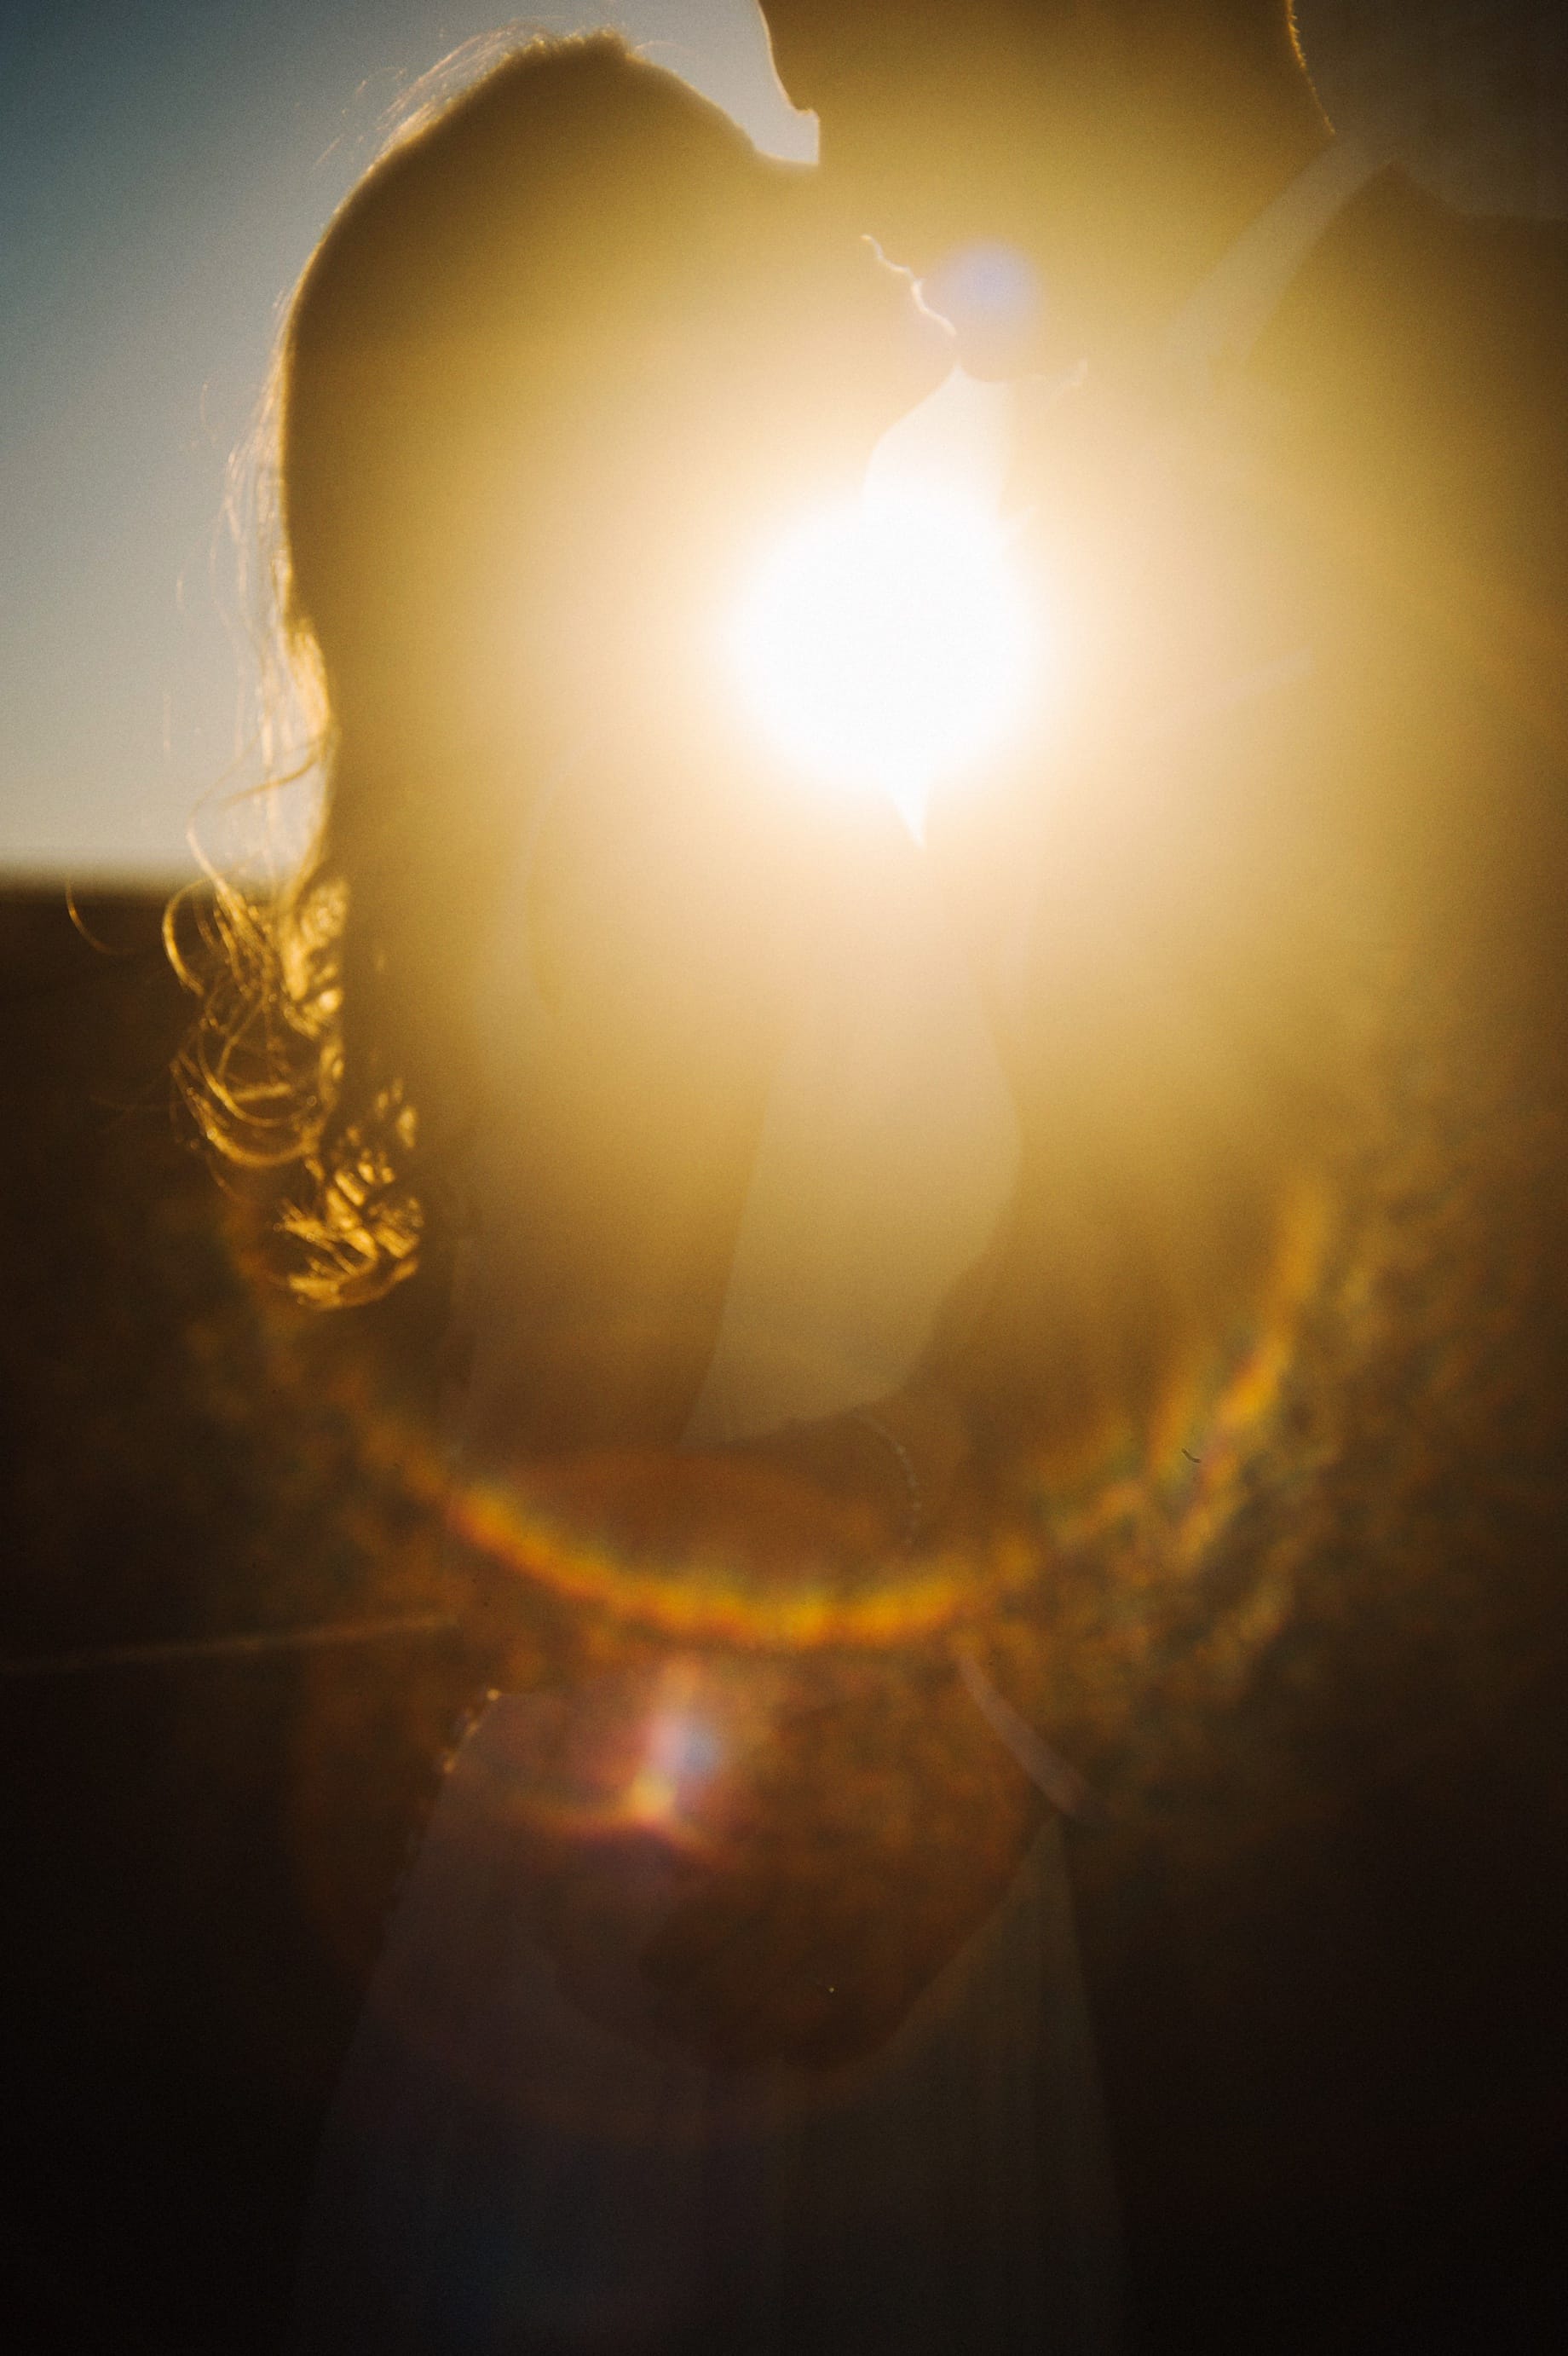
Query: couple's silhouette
pixel 882 1275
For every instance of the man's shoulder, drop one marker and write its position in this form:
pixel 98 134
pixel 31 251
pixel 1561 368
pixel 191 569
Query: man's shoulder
pixel 1429 350
pixel 1402 284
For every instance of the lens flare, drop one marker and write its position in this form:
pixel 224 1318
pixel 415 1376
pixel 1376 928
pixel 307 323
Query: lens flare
pixel 890 642
pixel 991 296
pixel 682 1750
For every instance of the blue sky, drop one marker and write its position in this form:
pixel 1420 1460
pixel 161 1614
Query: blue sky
pixel 164 170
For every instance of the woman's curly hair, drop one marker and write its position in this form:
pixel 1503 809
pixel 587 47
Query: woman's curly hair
pixel 276 1075
pixel 331 1046
pixel 262 1072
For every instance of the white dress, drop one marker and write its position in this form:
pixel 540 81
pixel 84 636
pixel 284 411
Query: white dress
pixel 502 2174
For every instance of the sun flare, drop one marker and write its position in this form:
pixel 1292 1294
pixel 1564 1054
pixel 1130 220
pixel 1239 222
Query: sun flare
pixel 889 641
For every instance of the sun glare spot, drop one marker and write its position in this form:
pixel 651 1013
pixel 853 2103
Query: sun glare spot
pixel 889 642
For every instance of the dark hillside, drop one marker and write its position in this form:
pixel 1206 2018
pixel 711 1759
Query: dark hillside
pixel 199 1851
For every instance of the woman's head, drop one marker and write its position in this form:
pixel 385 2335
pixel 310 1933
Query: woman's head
pixel 558 355
pixel 564 355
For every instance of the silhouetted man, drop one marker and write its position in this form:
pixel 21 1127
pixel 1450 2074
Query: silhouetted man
pixel 1271 1369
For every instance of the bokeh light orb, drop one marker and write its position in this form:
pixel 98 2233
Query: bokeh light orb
pixel 991 296
pixel 889 641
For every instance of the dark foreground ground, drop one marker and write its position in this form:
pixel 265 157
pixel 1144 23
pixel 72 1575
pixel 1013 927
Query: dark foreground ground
pixel 1334 2045
pixel 197 1855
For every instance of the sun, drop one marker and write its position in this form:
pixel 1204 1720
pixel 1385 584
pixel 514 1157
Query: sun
pixel 889 641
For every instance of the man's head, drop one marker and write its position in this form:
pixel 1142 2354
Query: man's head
pixel 1111 138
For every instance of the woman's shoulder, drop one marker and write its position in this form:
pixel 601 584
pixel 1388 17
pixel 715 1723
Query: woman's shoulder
pixel 630 1018
pixel 666 887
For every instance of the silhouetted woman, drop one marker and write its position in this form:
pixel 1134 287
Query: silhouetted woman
pixel 717 2009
